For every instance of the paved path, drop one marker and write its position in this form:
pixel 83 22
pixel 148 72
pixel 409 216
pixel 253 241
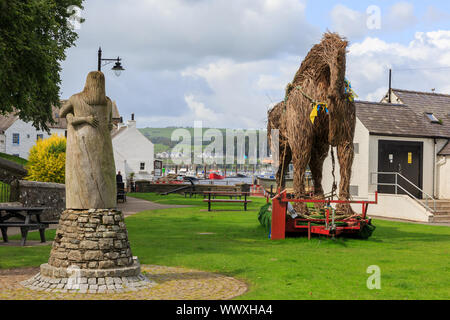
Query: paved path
pixel 135 205
pixel 446 224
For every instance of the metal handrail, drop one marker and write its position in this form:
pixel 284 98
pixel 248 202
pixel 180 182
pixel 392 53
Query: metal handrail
pixel 396 185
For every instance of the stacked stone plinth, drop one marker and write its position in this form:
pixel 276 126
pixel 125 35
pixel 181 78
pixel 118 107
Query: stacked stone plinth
pixel 93 246
pixel 91 239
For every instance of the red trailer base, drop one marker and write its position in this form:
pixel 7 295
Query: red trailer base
pixel 282 223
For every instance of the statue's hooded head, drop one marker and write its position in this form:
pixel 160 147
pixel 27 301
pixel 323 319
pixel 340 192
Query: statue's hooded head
pixel 94 91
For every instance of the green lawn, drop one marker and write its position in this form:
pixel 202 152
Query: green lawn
pixel 414 259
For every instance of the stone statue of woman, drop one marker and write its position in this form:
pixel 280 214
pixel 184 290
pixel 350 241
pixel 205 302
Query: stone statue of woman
pixel 90 169
pixel 91 241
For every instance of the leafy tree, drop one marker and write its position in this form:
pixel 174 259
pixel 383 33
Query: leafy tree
pixel 47 160
pixel 34 35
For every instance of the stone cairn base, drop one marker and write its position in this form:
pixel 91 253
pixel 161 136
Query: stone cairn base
pixel 90 254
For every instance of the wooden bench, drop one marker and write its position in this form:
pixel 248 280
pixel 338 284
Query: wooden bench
pixel 121 193
pixel 23 214
pixel 228 194
pixel 24 229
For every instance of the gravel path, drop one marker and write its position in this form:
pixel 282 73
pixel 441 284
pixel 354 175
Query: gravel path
pixel 172 283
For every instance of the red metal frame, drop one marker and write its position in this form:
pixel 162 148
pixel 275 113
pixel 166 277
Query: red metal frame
pixel 281 223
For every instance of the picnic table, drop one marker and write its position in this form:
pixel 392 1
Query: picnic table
pixel 25 222
pixel 230 194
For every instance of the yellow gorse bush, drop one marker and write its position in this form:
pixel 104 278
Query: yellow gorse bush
pixel 47 160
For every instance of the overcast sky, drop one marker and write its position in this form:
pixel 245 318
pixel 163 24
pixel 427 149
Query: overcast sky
pixel 225 62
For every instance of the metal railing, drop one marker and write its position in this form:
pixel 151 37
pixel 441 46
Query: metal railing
pixel 396 185
pixel 5 190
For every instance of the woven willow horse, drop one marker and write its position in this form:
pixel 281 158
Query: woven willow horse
pixel 318 112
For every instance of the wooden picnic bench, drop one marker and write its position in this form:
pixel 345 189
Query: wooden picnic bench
pixel 215 194
pixel 25 222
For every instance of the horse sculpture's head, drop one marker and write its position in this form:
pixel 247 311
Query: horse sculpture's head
pixel 322 76
pixel 340 105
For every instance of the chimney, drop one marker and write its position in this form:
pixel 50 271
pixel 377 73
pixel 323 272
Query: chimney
pixel 131 123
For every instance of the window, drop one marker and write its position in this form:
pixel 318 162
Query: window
pixel 356 148
pixel 16 138
pixel 16 155
pixel 40 136
pixel 432 118
pixel 142 166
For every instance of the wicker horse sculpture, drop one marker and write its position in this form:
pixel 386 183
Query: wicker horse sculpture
pixel 318 112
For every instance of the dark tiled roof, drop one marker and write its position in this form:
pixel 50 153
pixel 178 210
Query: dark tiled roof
pixel 428 102
pixel 61 123
pixel 393 119
pixel 6 121
pixel 445 150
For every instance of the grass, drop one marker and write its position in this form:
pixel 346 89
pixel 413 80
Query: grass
pixel 13 158
pixel 414 259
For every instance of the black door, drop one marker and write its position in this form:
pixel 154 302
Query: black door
pixel 405 158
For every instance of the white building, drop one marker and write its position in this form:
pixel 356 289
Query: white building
pixel 133 152
pixel 18 137
pixel 405 145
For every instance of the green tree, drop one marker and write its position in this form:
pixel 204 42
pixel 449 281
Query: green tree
pixel 34 35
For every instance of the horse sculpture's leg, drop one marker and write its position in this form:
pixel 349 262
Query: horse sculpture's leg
pixel 285 159
pixel 318 154
pixel 345 155
pixel 300 160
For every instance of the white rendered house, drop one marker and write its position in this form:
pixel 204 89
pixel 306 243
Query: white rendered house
pixel 133 152
pixel 18 137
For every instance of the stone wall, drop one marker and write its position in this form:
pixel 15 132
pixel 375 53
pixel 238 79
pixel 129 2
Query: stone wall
pixel 37 194
pixel 147 186
pixel 10 171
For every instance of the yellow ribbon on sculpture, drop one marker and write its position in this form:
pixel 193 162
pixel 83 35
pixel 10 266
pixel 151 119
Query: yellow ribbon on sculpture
pixel 317 106
pixel 313 115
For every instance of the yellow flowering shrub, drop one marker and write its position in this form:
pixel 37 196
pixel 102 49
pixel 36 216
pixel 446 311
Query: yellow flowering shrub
pixel 47 160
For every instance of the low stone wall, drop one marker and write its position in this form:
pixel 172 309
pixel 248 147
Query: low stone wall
pixel 37 194
pixel 10 171
pixel 146 186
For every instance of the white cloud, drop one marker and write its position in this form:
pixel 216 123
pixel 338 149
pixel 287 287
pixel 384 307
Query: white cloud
pixel 348 22
pixel 243 91
pixel 433 15
pixel 401 16
pixel 199 111
pixel 369 62
pixel 353 24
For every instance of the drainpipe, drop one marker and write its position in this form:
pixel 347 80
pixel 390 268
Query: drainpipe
pixel 440 163
pixel 434 169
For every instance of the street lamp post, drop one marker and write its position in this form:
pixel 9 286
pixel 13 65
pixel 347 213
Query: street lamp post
pixel 117 67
